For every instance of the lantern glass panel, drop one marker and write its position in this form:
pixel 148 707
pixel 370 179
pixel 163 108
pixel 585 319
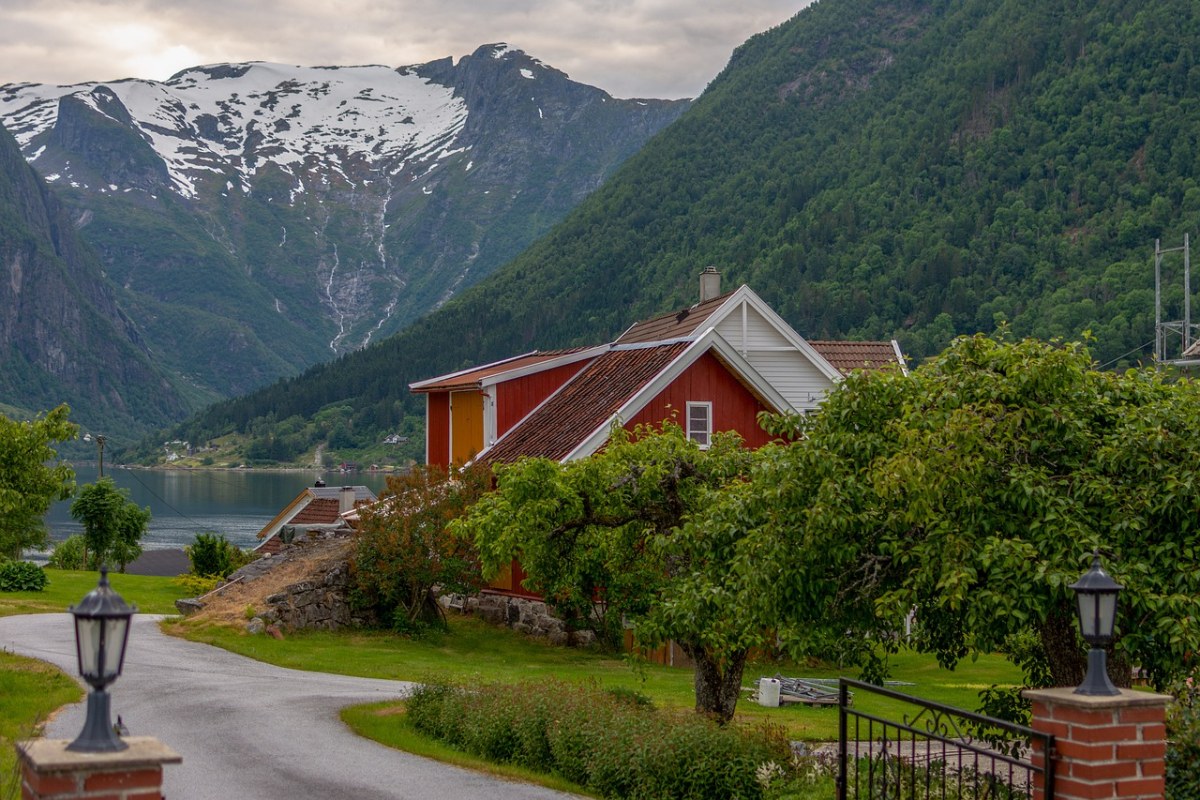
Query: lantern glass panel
pixel 114 645
pixel 88 632
pixel 1097 611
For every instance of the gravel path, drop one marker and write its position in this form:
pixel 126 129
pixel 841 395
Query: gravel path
pixel 247 729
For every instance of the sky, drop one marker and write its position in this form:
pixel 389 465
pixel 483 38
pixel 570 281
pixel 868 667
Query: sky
pixel 629 48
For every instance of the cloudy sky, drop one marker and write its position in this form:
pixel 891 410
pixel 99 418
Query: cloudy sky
pixel 630 48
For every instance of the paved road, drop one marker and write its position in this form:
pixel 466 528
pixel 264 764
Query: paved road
pixel 247 729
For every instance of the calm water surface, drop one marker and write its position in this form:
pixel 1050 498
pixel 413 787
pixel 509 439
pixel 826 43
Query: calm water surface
pixel 236 503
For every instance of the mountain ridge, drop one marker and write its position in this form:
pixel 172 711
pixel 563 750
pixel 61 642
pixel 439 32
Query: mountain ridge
pixel 256 219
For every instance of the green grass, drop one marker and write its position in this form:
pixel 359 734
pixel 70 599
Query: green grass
pixel 30 691
pixel 385 723
pixel 151 595
pixel 477 652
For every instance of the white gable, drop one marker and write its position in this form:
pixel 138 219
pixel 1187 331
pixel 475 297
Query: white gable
pixel 774 349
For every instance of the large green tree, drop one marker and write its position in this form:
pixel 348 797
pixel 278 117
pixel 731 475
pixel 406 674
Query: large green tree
pixel 113 525
pixel 31 477
pixel 973 491
pixel 601 540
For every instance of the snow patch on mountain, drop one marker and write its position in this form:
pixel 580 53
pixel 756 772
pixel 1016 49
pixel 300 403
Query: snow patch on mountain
pixel 232 119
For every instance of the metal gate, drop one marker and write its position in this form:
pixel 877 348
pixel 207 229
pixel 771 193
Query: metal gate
pixel 936 751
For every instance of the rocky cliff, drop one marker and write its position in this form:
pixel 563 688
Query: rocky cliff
pixel 63 334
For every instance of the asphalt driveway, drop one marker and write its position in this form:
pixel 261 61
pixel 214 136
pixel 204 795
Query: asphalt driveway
pixel 247 729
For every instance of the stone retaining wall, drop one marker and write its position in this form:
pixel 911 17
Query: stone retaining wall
pixel 531 617
pixel 321 604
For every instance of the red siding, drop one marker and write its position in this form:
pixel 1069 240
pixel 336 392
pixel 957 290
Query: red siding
pixel 517 397
pixel 437 428
pixel 735 408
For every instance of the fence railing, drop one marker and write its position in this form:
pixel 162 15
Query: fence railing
pixel 935 751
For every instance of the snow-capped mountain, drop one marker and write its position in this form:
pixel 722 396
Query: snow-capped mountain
pixel 233 119
pixel 258 218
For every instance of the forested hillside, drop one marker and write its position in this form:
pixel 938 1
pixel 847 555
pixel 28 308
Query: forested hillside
pixel 872 169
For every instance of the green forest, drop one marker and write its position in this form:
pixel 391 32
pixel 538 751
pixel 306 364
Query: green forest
pixel 899 169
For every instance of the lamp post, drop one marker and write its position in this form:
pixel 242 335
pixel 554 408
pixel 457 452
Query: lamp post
pixel 101 633
pixel 1096 595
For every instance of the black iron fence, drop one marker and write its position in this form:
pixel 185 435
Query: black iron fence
pixel 935 751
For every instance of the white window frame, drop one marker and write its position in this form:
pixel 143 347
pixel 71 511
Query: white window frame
pixel 702 437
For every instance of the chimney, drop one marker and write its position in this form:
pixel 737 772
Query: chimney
pixel 710 283
pixel 346 500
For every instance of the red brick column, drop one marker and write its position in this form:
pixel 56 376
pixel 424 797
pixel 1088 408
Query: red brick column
pixel 1108 748
pixel 50 770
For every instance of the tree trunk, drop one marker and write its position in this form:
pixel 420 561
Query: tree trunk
pixel 1068 661
pixel 717 689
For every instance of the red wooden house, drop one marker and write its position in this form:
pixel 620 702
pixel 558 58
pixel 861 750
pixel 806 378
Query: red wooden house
pixel 713 366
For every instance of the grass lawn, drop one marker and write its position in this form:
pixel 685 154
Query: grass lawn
pixel 30 691
pixel 477 652
pixel 151 595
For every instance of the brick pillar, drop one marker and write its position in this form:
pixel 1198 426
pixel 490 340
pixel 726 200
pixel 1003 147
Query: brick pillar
pixel 50 770
pixel 1109 748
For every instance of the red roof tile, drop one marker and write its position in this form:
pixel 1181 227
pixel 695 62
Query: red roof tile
pixel 321 511
pixel 675 325
pixel 584 404
pixel 848 356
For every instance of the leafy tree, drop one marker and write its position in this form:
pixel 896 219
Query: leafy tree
pixel 974 490
pixel 31 477
pixel 113 525
pixel 403 550
pixel 604 539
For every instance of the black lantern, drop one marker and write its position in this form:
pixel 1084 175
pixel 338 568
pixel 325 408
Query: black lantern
pixel 101 632
pixel 1096 593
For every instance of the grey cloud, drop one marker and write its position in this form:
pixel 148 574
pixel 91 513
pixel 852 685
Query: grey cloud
pixel 630 48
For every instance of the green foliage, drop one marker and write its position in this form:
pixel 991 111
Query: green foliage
pixel 598 740
pixel 31 477
pixel 193 585
pixel 603 541
pixel 872 169
pixel 973 491
pixel 22 576
pixel 403 549
pixel 211 554
pixel 71 553
pixel 1183 733
pixel 113 525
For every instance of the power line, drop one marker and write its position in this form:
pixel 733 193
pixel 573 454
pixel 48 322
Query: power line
pixel 1137 349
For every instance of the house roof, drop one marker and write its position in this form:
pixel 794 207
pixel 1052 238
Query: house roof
pixel 316 505
pixel 475 377
pixel 584 404
pixel 849 356
pixel 676 325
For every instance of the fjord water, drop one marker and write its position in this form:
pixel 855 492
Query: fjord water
pixel 236 503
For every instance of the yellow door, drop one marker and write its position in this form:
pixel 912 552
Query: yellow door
pixel 466 425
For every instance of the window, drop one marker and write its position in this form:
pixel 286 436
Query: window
pixel 699 423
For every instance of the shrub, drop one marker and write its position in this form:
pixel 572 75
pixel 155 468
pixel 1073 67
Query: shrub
pixel 608 741
pixel 404 554
pixel 22 576
pixel 212 554
pixel 197 585
pixel 1183 752
pixel 69 554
